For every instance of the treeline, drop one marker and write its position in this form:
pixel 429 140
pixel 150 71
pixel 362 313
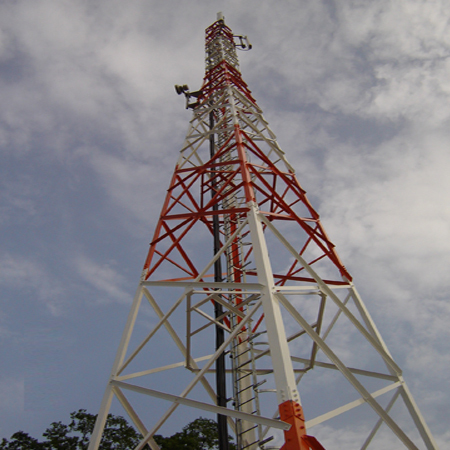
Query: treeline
pixel 201 434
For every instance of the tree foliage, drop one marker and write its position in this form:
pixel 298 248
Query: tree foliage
pixel 201 434
pixel 118 435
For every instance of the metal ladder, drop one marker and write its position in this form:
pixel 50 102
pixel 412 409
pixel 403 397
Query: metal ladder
pixel 249 436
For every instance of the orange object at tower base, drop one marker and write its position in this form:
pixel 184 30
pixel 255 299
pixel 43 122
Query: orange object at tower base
pixel 296 438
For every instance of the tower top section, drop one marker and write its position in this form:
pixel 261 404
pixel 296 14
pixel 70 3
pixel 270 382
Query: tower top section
pixel 220 45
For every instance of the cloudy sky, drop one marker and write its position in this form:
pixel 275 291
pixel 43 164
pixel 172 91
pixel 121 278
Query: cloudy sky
pixel 358 93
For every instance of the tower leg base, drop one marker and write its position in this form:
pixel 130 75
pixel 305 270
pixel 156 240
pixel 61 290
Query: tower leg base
pixel 296 438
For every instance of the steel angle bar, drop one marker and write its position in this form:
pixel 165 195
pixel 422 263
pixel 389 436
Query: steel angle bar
pixel 347 374
pixel 412 407
pixel 218 103
pixel 271 143
pixel 273 423
pixel 380 421
pixel 222 250
pixel 183 159
pixel 185 181
pixel 228 186
pixel 318 328
pixel 167 324
pixel 192 143
pixel 225 315
pixel 129 410
pixel 134 416
pixel 199 138
pixel 152 333
pixel 342 409
pixel 366 317
pixel 200 134
pixel 227 304
pixel 159 369
pixel 344 285
pixel 288 290
pixel 211 321
pixel 417 417
pixel 366 373
pixel 287 177
pixel 250 298
pixel 199 376
pixel 199 119
pixel 209 390
pixel 216 320
pixel 123 346
pixel 121 352
pixel 169 232
pixel 199 130
pixel 219 299
pixel 275 415
pixel 188 330
pixel 334 319
pixel 100 422
pixel 249 288
pixel 261 353
pixel 176 244
pixel 326 290
pixel 208 298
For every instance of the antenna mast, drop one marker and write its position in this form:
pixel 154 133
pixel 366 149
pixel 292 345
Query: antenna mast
pixel 273 299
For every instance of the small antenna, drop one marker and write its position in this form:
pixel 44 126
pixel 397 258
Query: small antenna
pixel 244 43
pixel 220 16
pixel 184 89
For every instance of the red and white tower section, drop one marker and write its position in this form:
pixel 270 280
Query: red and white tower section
pixel 244 305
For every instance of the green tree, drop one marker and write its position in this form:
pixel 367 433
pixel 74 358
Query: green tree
pixel 201 434
pixel 118 435
pixel 21 441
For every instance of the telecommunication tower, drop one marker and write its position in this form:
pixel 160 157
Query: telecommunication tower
pixel 248 298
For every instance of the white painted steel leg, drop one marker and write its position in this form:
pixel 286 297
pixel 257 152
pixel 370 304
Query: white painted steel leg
pixel 370 324
pixel 121 352
pixel 101 419
pixel 279 350
pixel 418 418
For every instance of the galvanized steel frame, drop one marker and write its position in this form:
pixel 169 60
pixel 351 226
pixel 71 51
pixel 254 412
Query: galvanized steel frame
pixel 265 192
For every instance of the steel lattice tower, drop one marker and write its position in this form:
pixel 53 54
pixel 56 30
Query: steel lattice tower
pixel 241 266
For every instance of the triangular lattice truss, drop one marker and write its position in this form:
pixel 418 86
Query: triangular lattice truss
pixel 288 308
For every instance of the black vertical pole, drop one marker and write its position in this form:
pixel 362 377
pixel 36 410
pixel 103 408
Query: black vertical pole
pixel 218 311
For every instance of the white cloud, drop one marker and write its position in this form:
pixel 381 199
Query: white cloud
pixel 346 437
pixel 106 279
pixel 131 185
pixel 100 73
pixel 12 393
pixel 358 93
pixel 17 202
pixel 30 276
pixel 395 197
